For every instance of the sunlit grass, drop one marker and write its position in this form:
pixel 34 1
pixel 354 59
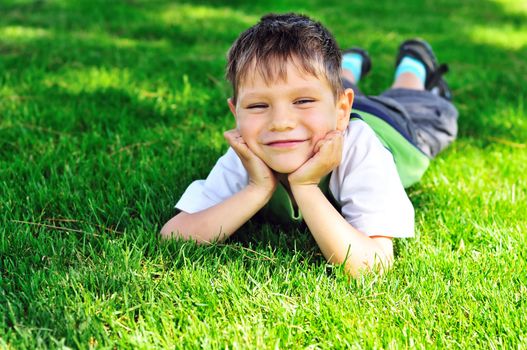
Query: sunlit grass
pixel 89 79
pixel 204 17
pixel 21 33
pixel 507 37
pixel 513 6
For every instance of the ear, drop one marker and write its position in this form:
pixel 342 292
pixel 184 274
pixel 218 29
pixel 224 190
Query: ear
pixel 344 104
pixel 232 106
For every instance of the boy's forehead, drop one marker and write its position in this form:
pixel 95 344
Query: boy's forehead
pixel 280 71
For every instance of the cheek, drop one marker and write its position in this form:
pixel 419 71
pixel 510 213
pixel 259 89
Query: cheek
pixel 245 130
pixel 323 124
pixel 242 125
pixel 249 132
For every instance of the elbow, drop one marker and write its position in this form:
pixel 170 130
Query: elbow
pixel 174 228
pixel 178 228
pixel 376 261
pixel 167 232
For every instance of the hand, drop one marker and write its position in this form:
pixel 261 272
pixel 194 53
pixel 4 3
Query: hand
pixel 260 175
pixel 327 156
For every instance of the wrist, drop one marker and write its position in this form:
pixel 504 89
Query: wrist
pixel 299 180
pixel 304 188
pixel 260 191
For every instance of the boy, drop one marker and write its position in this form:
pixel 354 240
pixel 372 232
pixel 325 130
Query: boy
pixel 294 150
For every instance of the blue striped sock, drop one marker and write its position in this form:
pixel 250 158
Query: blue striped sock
pixel 353 62
pixel 411 65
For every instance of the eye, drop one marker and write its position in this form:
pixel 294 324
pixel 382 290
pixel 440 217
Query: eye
pixel 256 106
pixel 304 101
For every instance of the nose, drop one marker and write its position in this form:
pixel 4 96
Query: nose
pixel 282 119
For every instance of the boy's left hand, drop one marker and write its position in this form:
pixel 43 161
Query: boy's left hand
pixel 327 156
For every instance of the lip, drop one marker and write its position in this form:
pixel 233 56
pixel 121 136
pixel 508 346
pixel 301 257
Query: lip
pixel 285 143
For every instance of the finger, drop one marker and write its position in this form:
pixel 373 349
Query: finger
pixel 238 144
pixel 335 134
pixel 330 152
pixel 331 143
pixel 231 135
pixel 318 146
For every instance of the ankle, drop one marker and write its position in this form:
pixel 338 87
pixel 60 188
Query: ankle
pixel 347 75
pixel 408 81
pixel 352 66
pixel 410 73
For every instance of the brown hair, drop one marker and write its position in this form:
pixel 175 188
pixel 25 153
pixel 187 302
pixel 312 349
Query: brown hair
pixel 278 39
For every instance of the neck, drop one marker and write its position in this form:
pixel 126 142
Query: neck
pixel 283 179
pixel 285 182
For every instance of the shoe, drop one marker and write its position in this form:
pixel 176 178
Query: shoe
pixel 422 51
pixel 366 60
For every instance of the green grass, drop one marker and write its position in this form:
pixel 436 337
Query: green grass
pixel 109 109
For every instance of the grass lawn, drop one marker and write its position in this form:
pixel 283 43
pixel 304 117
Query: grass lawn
pixel 109 109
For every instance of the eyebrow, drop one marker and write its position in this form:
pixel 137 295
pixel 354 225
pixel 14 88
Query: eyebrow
pixel 300 90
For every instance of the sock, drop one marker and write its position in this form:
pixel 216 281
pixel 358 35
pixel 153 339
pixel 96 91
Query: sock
pixel 411 65
pixel 353 62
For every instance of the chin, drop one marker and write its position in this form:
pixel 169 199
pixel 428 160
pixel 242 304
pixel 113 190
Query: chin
pixel 286 168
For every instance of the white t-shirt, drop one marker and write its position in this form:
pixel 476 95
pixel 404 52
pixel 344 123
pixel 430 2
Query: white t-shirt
pixel 365 184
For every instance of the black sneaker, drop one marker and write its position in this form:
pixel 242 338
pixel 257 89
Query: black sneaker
pixel 366 60
pixel 422 51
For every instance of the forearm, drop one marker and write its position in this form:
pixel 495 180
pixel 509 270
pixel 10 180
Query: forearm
pixel 337 239
pixel 220 221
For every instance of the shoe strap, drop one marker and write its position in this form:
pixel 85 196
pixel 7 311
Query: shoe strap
pixel 437 74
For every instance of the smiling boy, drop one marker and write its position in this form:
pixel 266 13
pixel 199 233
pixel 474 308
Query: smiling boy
pixel 295 151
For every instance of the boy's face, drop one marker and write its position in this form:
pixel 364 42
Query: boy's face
pixel 282 121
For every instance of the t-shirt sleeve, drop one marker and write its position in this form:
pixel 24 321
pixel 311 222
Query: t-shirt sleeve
pixel 368 187
pixel 226 178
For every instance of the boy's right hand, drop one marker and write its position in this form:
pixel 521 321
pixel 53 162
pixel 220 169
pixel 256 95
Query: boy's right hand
pixel 260 175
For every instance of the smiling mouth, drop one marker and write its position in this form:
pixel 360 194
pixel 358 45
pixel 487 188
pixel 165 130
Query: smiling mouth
pixel 285 143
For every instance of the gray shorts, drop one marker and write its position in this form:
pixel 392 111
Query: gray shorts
pixel 425 119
